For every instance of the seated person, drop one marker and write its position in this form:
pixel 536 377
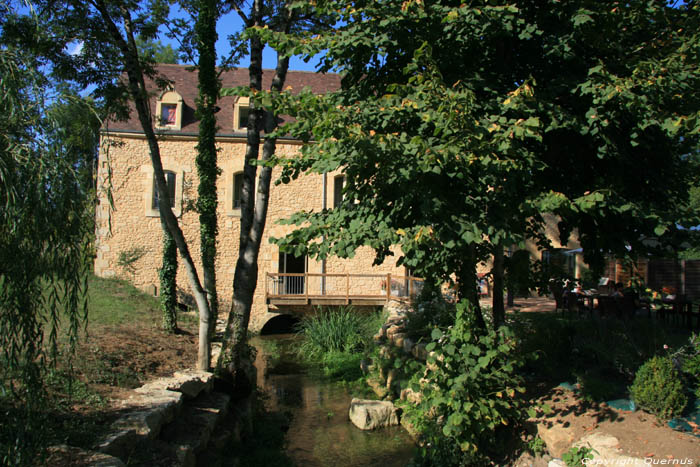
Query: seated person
pixel 618 292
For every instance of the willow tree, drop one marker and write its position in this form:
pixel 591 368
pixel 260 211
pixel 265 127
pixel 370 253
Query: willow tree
pixel 460 124
pixel 45 227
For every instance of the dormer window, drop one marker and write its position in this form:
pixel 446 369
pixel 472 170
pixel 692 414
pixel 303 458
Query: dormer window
pixel 241 112
pixel 169 111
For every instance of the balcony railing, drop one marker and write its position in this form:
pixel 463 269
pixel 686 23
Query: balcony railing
pixel 310 287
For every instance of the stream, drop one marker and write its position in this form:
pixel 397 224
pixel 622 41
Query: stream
pixel 320 432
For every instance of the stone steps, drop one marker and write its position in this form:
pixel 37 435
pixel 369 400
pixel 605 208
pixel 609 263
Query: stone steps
pixel 192 431
pixel 169 421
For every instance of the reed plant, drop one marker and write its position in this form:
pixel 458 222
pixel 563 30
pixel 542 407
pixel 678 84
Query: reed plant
pixel 332 337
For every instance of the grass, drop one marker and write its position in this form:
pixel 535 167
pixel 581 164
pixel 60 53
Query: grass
pixel 337 340
pixel 115 301
pixel 122 348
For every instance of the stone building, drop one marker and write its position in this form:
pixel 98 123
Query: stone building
pixel 129 235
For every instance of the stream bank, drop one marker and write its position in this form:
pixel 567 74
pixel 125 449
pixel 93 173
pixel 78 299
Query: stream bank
pixel 319 431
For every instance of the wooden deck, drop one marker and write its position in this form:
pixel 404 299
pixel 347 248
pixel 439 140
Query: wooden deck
pixel 310 289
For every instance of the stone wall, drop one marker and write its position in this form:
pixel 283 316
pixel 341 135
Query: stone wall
pixel 132 229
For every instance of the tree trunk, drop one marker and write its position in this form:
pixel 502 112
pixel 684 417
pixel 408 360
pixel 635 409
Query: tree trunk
pixel 467 280
pixel 168 282
pixel 206 161
pixel 234 358
pixel 499 312
pixel 138 92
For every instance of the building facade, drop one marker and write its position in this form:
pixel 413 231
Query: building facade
pixel 129 233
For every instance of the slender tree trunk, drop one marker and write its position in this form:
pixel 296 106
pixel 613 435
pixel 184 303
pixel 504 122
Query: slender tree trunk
pixel 467 280
pixel 168 282
pixel 499 312
pixel 206 161
pixel 137 90
pixel 234 354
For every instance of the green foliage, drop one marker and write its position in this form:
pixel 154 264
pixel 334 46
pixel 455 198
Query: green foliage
pixel 155 51
pixel 471 393
pixel 430 309
pixel 343 330
pixel 45 231
pixel 576 457
pixel 689 356
pixel 456 132
pixel 168 283
pixel 537 446
pixel 658 388
pixel 206 161
pixel 337 340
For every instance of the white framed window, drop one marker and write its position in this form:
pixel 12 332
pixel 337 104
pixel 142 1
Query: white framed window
pixel 174 177
pixel 169 111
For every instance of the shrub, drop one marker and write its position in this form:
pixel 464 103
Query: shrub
pixel 470 393
pixel 430 309
pixel 575 457
pixel 658 389
pixel 690 358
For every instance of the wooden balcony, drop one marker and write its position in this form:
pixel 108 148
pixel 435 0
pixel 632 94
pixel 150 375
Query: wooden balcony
pixel 339 289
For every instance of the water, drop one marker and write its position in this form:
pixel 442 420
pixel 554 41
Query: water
pixel 320 433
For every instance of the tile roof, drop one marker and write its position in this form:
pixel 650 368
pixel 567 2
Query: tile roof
pixel 184 82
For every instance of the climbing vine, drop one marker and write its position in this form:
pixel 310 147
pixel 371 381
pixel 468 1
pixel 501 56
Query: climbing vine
pixel 168 287
pixel 207 170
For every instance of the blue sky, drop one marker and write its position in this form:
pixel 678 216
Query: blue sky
pixel 232 23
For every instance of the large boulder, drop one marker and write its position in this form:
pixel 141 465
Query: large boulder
pixel 556 437
pixel 606 450
pixel 369 414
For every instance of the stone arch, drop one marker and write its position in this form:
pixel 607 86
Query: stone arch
pixel 280 324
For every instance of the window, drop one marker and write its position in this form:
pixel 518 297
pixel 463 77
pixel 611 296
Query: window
pixel 237 189
pixel 169 111
pixel 170 181
pixel 338 184
pixel 168 114
pixel 241 111
pixel 560 261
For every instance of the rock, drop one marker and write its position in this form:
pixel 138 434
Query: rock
pixel 368 414
pixel 408 394
pixel 378 388
pixel 191 382
pixel 408 345
pixel 69 455
pixel 606 450
pixel 117 443
pixel 420 352
pixel 158 407
pixel 391 378
pixel 556 463
pixel 557 438
pixel 393 329
pixel 528 460
pixel 398 339
pixel 365 366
